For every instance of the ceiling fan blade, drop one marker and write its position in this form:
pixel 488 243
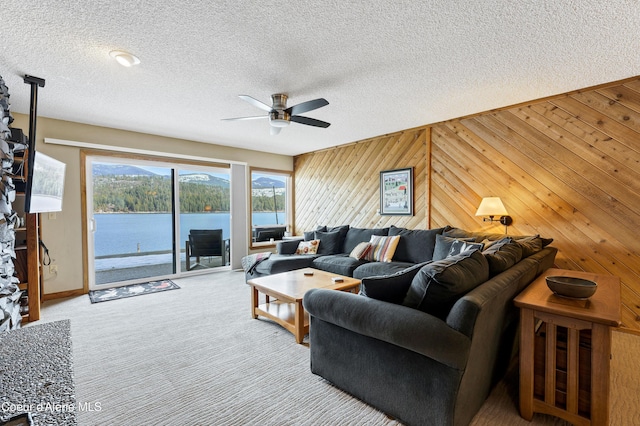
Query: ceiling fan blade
pixel 245 118
pixel 309 121
pixel 275 130
pixel 255 102
pixel 307 106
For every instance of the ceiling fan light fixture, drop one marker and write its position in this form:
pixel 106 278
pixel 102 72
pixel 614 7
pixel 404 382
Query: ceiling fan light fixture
pixel 279 118
pixel 278 122
pixel 125 59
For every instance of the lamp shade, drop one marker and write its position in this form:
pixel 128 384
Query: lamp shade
pixel 491 206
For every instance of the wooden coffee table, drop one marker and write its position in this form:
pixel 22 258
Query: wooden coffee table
pixel 289 289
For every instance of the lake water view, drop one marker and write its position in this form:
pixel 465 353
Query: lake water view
pixel 122 235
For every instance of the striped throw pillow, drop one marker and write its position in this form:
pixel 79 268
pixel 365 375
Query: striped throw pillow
pixel 360 251
pixel 382 248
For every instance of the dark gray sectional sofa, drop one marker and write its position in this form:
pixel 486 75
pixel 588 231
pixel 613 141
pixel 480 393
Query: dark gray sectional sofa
pixel 336 243
pixel 427 344
pixel 431 331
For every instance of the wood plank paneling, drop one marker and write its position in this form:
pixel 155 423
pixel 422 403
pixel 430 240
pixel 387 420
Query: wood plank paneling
pixel 566 167
pixel 342 185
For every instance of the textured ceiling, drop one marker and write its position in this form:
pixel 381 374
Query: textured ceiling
pixel 383 65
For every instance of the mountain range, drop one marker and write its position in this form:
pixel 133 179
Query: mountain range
pixel 101 169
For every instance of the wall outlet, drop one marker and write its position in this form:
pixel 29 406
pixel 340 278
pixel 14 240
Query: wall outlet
pixel 52 215
pixel 53 269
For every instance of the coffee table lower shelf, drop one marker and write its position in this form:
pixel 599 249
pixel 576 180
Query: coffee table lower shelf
pixel 284 313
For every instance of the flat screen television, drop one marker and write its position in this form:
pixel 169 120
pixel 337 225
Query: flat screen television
pixel 45 184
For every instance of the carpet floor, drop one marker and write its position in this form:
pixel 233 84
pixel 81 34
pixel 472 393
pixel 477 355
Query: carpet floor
pixel 197 357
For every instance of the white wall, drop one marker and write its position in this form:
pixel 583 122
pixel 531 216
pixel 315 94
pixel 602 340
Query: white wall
pixel 63 235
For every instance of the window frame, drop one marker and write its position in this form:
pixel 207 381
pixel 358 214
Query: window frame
pixel 99 155
pixel 288 174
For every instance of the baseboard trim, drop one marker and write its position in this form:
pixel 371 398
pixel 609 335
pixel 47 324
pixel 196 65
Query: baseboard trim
pixel 63 294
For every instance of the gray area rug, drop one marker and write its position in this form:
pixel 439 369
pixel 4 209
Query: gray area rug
pixel 36 372
pixel 197 357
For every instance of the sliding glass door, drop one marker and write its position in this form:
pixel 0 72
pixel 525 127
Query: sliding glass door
pixel 149 220
pixel 205 221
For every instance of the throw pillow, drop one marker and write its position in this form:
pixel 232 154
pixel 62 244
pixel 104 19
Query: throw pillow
pixel 360 251
pixel 382 248
pixel 390 288
pixel 460 246
pixel 416 245
pixel 443 245
pixel 343 229
pixel 355 236
pixel 502 255
pixel 530 245
pixel 330 242
pixel 479 236
pixel 310 235
pixel 308 247
pixel 438 285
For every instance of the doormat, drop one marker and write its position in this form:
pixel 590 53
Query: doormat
pixel 131 290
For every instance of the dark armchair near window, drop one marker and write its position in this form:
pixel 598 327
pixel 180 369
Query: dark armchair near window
pixel 205 243
pixel 266 233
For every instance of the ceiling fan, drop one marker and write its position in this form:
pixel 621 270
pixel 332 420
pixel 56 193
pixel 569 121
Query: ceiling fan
pixel 280 116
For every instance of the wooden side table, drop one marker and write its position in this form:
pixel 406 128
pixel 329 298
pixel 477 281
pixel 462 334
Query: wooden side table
pixel 565 349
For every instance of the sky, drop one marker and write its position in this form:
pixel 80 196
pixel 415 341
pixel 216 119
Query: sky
pixel 165 171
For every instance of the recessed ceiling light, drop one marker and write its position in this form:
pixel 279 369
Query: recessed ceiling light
pixel 124 58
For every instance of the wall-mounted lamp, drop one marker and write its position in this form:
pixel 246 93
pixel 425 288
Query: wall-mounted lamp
pixel 125 59
pixel 491 207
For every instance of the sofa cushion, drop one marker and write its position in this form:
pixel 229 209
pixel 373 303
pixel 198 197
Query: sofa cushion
pixel 343 229
pixel 443 246
pixel 287 246
pixel 278 263
pixel 382 248
pixel 479 236
pixel 390 288
pixel 438 285
pixel 502 255
pixel 360 251
pixel 372 269
pixel 355 236
pixel 530 245
pixel 308 247
pixel 310 235
pixel 415 245
pixel 341 264
pixel 330 242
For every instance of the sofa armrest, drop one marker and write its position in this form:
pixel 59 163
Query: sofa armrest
pixel 395 324
pixel 287 246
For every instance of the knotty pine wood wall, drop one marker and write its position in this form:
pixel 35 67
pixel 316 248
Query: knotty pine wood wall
pixel 566 167
pixel 340 186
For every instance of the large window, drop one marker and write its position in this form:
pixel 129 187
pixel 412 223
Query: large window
pixel 154 219
pixel 271 206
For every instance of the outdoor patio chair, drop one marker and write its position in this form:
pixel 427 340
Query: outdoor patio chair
pixel 205 243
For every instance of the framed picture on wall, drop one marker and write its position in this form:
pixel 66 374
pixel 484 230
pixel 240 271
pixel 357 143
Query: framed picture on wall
pixel 396 192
